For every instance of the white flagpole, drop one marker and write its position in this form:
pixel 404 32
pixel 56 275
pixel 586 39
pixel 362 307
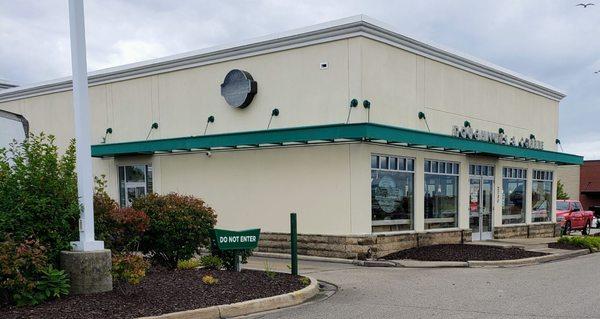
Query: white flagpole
pixel 85 185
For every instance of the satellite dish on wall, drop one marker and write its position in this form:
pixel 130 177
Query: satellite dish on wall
pixel 238 88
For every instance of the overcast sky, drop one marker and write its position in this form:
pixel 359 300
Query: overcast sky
pixel 549 40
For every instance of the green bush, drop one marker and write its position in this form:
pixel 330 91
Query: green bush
pixel 228 256
pixel 590 242
pixel 179 226
pixel 54 283
pixel 129 268
pixel 38 194
pixel 191 263
pixel 25 276
pixel 211 262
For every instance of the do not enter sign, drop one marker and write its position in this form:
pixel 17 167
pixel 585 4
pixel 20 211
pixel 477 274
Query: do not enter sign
pixel 236 240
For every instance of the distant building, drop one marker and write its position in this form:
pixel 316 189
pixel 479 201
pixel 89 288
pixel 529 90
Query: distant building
pixel 569 176
pixel 590 184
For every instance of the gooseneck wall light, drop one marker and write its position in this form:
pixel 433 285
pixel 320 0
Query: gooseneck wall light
pixel 353 104
pixel 275 112
pixel 421 116
pixel 367 105
pixel 211 119
pixel 154 126
pixel 108 131
pixel 557 141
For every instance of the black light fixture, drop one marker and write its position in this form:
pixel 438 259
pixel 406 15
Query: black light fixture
pixel 353 103
pixel 500 131
pixel 275 112
pixel 108 131
pixel 153 127
pixel 531 136
pixel 557 141
pixel 211 119
pixel 467 124
pixel 367 105
pixel 421 116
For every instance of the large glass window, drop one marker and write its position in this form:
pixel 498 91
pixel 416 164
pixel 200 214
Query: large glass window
pixel 134 181
pixel 392 193
pixel 541 196
pixel 514 181
pixel 441 194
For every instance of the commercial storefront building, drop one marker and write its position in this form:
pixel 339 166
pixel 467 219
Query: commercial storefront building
pixel 378 141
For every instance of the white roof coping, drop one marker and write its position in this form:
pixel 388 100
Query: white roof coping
pixel 359 25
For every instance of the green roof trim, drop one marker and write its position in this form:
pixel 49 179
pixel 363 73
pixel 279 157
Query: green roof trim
pixel 331 133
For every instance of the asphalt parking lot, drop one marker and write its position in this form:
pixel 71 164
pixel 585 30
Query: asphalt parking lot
pixel 562 289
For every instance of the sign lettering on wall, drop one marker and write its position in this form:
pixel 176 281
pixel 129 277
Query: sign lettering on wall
pixel 468 132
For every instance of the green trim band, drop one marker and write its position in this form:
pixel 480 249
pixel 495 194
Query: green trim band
pixel 334 133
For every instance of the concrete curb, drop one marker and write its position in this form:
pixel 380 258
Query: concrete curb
pixel 528 261
pixel 247 307
pixel 409 263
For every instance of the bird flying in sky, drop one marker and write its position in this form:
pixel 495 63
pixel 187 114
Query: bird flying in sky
pixel 584 5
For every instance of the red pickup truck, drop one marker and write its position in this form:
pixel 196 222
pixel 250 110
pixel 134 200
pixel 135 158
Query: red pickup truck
pixel 571 216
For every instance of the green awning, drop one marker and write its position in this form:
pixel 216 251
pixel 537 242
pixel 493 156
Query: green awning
pixel 367 132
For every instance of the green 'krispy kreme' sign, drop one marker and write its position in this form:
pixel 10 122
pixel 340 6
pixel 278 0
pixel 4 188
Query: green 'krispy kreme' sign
pixel 233 240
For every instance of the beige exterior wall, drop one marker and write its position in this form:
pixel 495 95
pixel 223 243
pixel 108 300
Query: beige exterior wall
pixel 570 178
pixel 401 84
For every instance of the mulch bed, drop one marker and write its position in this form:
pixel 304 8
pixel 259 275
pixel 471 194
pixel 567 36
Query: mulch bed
pixel 460 252
pixel 163 291
pixel 564 246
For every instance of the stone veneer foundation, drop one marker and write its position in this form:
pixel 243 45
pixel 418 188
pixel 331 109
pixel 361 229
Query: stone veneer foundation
pixel 379 245
pixel 527 231
pixel 359 246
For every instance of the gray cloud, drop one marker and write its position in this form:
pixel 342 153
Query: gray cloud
pixel 551 41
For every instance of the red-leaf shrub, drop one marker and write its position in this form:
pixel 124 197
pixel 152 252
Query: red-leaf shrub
pixel 125 229
pixel 21 265
pixel 179 226
pixel 121 229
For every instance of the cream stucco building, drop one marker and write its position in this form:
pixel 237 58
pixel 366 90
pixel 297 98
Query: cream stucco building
pixel 378 141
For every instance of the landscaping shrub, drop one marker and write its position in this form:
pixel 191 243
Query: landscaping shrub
pixel 191 263
pixel 228 256
pixel 25 276
pixel 211 262
pixel 129 267
pixel 125 227
pixel 209 280
pixel 179 226
pixel 38 194
pixel 590 242
pixel 121 229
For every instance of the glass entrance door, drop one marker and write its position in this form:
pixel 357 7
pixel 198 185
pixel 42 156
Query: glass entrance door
pixel 480 207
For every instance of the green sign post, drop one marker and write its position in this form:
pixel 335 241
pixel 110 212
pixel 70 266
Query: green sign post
pixel 236 241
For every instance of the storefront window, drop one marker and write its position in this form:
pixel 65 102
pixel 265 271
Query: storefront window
pixel 541 196
pixel 134 181
pixel 392 193
pixel 441 194
pixel 514 181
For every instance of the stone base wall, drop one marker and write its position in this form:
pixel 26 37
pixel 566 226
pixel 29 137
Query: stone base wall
pixel 527 231
pixel 358 246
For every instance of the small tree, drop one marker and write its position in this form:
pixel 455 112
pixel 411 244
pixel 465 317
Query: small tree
pixel 560 191
pixel 38 194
